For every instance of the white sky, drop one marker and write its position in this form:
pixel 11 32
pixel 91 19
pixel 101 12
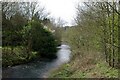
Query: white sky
pixel 65 9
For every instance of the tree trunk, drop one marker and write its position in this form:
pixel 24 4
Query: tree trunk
pixel 119 36
pixel 109 35
pixel 113 40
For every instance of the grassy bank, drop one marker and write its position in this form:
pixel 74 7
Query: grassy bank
pixel 90 66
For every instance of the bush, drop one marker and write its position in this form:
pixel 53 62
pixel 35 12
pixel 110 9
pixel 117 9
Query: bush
pixel 18 56
pixel 42 40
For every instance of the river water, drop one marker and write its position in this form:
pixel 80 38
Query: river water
pixel 38 69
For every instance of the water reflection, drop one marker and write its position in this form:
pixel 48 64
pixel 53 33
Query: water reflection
pixel 63 54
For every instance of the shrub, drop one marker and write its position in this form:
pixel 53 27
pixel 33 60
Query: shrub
pixel 42 40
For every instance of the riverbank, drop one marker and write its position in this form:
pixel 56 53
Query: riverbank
pixel 90 65
pixel 19 56
pixel 16 57
pixel 88 56
pixel 38 68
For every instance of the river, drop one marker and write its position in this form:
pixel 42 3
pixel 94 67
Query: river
pixel 38 69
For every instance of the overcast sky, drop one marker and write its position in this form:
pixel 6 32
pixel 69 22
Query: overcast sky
pixel 64 9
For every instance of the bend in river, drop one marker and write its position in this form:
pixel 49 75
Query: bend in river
pixel 38 69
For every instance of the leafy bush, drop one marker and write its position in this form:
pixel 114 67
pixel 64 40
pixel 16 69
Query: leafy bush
pixel 18 56
pixel 41 40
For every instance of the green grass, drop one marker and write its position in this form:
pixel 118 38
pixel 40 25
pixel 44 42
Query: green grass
pixel 86 67
pixel 105 70
pixel 64 71
pixel 100 70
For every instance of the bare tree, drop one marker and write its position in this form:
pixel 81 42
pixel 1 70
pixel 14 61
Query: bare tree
pixel 60 22
pixel 101 15
pixel 33 8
